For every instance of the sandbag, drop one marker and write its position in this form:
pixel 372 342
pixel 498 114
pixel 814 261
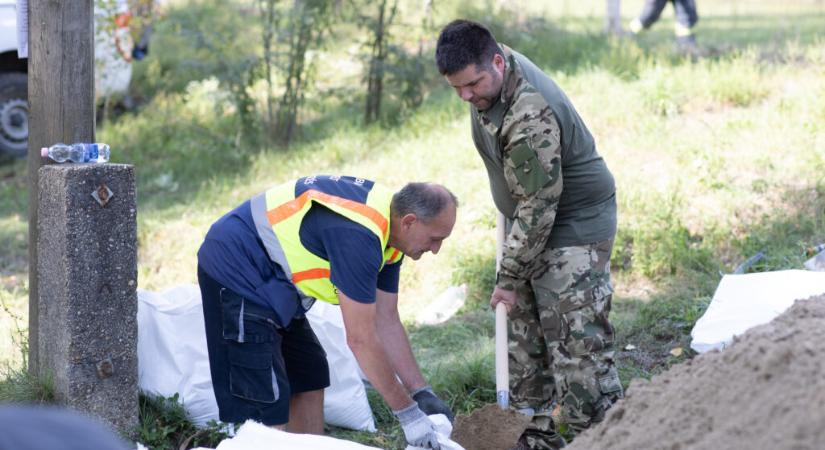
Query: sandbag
pixel 745 301
pixel 444 429
pixel 172 358
pixel 172 355
pixel 345 401
pixel 254 436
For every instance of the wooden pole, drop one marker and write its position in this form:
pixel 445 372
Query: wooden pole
pixel 61 105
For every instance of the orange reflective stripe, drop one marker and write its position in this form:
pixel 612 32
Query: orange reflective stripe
pixel 310 274
pixel 291 207
pixel 287 209
pixel 394 254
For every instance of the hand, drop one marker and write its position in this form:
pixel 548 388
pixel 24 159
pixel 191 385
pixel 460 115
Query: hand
pixel 503 296
pixel 430 403
pixel 418 428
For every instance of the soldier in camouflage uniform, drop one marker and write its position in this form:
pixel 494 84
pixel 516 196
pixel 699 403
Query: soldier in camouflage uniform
pixel 559 198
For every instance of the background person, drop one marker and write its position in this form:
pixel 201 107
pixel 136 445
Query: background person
pixel 686 18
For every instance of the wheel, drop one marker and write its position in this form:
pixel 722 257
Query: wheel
pixel 14 114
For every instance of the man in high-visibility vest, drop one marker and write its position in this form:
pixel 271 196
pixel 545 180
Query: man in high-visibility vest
pixel 336 239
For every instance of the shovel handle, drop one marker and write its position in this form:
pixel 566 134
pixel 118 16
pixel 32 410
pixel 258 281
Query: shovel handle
pixel 502 368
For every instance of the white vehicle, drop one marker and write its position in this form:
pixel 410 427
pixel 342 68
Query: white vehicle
pixel 14 109
pixel 113 68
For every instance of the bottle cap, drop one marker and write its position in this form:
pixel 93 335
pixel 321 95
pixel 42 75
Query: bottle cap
pixel 44 152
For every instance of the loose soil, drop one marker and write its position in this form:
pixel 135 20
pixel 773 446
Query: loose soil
pixel 767 390
pixel 489 428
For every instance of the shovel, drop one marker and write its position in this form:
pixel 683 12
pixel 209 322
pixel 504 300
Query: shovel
pixel 502 365
pixel 494 427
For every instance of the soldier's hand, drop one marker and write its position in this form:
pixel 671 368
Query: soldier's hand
pixel 430 403
pixel 508 298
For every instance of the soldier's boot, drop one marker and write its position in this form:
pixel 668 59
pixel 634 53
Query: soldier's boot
pixel 538 440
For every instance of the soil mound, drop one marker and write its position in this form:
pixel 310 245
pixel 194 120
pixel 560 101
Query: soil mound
pixel 767 390
pixel 489 428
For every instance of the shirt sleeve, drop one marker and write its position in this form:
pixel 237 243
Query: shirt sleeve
pixel 355 260
pixel 389 277
pixel 532 170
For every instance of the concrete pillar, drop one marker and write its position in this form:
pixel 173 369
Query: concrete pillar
pixel 87 303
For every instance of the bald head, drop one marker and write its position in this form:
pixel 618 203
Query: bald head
pixel 425 200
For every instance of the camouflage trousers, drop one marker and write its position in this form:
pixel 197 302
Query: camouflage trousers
pixel 561 343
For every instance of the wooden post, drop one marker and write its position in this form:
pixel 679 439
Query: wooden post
pixel 61 105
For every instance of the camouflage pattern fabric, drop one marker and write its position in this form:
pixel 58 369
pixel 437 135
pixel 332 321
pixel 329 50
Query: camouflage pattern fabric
pixel 561 342
pixel 532 168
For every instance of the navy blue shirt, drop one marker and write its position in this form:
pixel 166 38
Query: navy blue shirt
pixel 233 254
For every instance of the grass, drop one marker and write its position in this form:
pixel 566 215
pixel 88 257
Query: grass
pixel 715 159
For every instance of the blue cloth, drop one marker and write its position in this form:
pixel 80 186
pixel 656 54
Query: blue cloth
pixel 233 254
pixel 30 427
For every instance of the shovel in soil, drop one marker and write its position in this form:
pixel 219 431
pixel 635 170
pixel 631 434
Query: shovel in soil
pixel 493 427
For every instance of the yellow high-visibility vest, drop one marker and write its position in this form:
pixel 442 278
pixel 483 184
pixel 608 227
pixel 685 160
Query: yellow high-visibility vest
pixel 279 212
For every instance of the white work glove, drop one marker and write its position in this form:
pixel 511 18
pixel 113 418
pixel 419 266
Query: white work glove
pixel 418 428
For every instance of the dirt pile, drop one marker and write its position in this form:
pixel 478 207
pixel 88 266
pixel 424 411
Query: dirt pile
pixel 489 428
pixel 767 390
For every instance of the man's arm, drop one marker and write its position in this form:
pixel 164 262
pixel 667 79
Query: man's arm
pixel 396 343
pixel 363 338
pixel 532 168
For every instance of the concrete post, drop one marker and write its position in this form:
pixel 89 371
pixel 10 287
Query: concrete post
pixel 87 265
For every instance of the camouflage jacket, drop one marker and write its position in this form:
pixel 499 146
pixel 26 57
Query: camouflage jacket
pixel 545 173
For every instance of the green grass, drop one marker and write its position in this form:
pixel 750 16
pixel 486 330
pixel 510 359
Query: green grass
pixel 715 159
pixel 17 386
pixel 164 425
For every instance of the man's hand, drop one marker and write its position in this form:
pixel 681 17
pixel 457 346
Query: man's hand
pixel 503 296
pixel 430 403
pixel 418 428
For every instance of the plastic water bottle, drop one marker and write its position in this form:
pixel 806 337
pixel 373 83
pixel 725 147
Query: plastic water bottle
pixel 78 153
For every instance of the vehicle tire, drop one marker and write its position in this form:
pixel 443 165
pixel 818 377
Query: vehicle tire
pixel 14 114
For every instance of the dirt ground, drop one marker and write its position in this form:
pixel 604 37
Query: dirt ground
pixel 489 428
pixel 767 390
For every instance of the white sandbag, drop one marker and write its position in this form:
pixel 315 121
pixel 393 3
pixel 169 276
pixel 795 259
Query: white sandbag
pixel 172 358
pixel 172 355
pixel 254 436
pixel 444 429
pixel 744 301
pixel 345 400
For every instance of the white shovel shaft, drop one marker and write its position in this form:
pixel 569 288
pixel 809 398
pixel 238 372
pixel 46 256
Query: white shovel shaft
pixel 502 369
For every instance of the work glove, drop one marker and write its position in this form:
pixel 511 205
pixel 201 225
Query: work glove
pixel 430 403
pixel 418 428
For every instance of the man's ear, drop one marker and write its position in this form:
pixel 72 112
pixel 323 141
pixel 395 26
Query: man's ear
pixel 499 63
pixel 408 220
